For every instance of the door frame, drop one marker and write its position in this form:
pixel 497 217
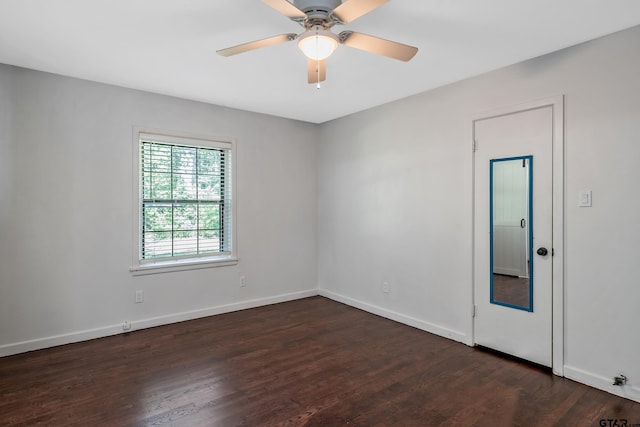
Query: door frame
pixel 557 293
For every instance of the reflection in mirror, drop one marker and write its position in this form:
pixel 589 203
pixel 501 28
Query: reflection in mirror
pixel 511 232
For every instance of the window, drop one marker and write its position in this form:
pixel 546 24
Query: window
pixel 184 206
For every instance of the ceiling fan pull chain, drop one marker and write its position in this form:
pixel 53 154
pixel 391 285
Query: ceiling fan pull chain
pixel 317 64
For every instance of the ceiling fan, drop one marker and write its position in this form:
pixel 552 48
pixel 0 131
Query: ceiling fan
pixel 317 41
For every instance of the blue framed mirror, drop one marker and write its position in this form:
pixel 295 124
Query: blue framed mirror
pixel 511 229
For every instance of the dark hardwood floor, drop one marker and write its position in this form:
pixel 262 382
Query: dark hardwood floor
pixel 312 362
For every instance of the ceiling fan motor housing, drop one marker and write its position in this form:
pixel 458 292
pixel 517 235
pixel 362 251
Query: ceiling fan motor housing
pixel 317 9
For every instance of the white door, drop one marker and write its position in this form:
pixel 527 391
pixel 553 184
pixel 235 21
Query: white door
pixel 513 314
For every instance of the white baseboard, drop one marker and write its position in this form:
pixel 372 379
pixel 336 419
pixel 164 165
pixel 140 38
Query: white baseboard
pixel 602 383
pixel 55 340
pixel 105 331
pixel 212 311
pixel 398 317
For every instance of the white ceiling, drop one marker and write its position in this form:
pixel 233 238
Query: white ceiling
pixel 168 47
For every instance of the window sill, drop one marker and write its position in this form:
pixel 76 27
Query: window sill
pixel 182 265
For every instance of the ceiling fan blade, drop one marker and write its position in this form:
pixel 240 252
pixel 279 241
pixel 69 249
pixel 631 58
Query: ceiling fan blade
pixel 377 45
pixel 317 69
pixel 286 8
pixel 351 10
pixel 245 47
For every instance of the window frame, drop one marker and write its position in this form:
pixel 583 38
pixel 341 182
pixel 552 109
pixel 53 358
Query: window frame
pixel 180 263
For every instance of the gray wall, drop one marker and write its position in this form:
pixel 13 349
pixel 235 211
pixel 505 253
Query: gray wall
pixel 66 215
pixel 395 203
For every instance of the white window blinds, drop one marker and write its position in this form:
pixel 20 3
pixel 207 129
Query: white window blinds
pixel 185 198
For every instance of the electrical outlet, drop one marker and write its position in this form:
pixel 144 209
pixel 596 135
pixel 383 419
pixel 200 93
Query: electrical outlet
pixel 385 287
pixel 243 281
pixel 139 296
pixel 126 325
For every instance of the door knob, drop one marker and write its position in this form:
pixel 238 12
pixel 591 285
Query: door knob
pixel 542 251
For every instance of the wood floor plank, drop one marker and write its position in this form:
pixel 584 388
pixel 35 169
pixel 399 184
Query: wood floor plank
pixel 311 362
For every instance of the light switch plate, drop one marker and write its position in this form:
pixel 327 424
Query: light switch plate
pixel 584 198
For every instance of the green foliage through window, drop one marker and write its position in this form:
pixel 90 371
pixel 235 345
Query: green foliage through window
pixel 183 200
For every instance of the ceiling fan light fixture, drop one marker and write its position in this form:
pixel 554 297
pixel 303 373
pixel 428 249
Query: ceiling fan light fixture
pixel 318 44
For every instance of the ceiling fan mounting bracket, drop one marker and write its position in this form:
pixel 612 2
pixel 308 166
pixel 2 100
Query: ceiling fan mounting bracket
pixel 344 35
